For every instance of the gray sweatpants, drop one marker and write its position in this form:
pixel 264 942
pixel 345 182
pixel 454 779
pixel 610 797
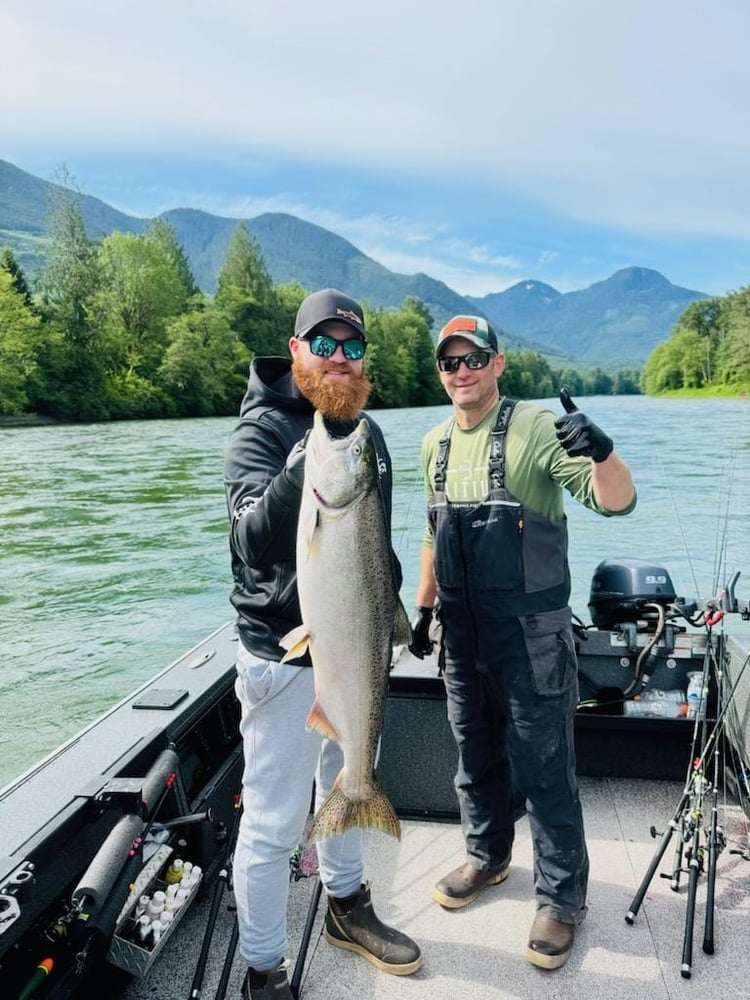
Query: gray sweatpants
pixel 281 760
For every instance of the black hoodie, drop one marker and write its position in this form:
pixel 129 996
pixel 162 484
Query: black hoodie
pixel 264 505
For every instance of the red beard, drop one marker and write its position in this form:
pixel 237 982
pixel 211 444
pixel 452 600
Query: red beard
pixel 339 401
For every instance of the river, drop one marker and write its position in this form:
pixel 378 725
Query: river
pixel 114 557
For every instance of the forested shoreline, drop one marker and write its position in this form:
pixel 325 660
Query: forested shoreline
pixel 708 350
pixel 119 330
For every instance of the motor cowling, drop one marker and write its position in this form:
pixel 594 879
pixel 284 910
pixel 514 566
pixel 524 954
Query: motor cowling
pixel 620 589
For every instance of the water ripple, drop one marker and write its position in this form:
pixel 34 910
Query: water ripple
pixel 115 560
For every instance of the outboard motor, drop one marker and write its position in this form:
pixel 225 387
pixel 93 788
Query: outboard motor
pixel 621 588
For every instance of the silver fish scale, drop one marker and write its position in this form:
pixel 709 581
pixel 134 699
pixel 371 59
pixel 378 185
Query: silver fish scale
pixel 349 600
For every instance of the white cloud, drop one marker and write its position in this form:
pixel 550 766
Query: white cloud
pixel 627 114
pixel 400 244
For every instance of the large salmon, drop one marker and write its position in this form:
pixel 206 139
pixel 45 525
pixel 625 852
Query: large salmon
pixel 351 618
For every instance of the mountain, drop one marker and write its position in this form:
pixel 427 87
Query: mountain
pixel 295 250
pixel 618 321
pixel 292 248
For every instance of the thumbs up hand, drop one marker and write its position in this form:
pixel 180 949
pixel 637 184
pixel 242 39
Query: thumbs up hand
pixel 580 436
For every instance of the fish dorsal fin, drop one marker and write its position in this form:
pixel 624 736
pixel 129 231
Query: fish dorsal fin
pixel 401 626
pixel 318 721
pixel 295 643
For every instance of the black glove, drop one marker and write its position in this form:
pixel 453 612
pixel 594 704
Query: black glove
pixel 294 470
pixel 421 643
pixel 580 436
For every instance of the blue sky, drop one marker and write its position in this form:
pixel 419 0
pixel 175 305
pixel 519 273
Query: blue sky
pixel 482 142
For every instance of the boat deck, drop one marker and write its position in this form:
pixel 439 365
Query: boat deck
pixel 478 952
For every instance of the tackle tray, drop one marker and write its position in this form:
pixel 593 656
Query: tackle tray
pixel 125 952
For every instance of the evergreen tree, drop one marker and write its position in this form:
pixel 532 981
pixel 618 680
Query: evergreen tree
pixel 19 344
pixel 246 296
pixel 571 380
pixel 598 383
pixel 163 234
pixel 9 263
pixel 425 388
pixel 67 281
pixel 527 375
pixel 626 382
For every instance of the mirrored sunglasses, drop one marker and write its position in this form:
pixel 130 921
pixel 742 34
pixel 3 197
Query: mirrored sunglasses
pixel 323 346
pixel 473 361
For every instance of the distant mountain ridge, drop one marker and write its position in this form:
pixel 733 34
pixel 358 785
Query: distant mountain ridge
pixel 616 322
pixel 620 320
pixel 292 248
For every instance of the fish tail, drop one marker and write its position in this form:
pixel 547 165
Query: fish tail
pixel 339 813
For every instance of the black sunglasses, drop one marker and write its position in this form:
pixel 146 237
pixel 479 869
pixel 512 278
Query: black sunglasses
pixel 473 361
pixel 323 346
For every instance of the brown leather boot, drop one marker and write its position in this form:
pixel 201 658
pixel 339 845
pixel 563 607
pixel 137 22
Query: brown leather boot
pixel 550 942
pixel 352 924
pixel 462 886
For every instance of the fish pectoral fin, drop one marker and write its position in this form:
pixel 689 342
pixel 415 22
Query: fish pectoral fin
pixel 401 626
pixel 319 721
pixel 306 529
pixel 295 643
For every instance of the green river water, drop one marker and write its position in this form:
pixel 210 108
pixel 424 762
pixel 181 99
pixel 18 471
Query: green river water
pixel 114 559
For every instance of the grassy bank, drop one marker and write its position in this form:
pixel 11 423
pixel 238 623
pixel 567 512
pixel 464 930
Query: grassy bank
pixel 708 392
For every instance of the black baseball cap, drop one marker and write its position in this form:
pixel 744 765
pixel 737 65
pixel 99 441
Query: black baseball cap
pixel 328 303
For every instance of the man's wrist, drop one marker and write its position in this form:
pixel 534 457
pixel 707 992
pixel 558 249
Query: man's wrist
pixel 604 449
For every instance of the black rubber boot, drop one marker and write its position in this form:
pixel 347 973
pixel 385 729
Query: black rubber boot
pixel 270 985
pixel 358 929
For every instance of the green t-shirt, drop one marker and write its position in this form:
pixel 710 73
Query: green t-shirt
pixel 537 468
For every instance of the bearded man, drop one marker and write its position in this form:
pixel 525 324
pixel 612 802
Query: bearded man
pixel 263 476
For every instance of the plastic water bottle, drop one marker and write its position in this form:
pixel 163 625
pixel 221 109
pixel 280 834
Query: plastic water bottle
pixel 655 708
pixel 657 694
pixel 696 695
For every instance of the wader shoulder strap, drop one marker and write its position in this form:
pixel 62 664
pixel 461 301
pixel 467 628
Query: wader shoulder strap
pixel 497 444
pixel 441 462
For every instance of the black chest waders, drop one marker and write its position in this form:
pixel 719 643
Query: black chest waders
pixel 511 677
pixel 477 545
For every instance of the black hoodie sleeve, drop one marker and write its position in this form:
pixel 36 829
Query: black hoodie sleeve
pixel 263 501
pixel 385 485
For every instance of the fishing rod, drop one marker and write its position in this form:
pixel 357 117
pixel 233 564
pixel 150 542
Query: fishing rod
pixel 296 873
pixel 299 965
pixel 695 868
pixel 674 823
pixel 716 844
pixel 701 858
pixel 221 989
pixel 222 881
pixel 687 820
